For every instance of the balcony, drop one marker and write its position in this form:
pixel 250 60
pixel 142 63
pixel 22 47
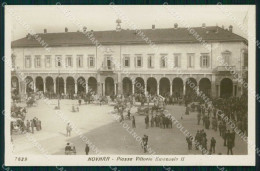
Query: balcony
pixel 104 69
pixel 226 68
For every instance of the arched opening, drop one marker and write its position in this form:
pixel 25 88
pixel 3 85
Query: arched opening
pixel 152 86
pixel 15 85
pixel 226 88
pixel 49 85
pixel 139 85
pixel 59 85
pixel 109 86
pixel 29 84
pixel 92 85
pixel 191 92
pixel 70 86
pixel 205 86
pixel 81 83
pixel 127 86
pixel 39 84
pixel 177 87
pixel 164 87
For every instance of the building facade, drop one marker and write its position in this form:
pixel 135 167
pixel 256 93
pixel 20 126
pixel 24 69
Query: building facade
pixel 124 62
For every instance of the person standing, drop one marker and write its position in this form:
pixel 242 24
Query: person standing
pixel 133 122
pixel 146 120
pixel 226 137
pixel 152 121
pixel 28 126
pixel 145 142
pixel 32 126
pixel 229 146
pixel 87 149
pixel 212 145
pixel 68 130
pixel 232 137
pixel 40 125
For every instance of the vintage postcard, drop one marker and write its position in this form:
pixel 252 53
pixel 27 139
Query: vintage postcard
pixel 116 85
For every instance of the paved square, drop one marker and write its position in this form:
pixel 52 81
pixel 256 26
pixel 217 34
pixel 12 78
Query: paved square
pixel 110 137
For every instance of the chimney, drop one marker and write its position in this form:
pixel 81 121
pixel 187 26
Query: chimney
pixel 84 29
pixel 203 25
pixel 230 28
pixel 45 31
pixel 175 25
pixel 118 26
pixel 28 36
pixel 66 29
pixel 153 27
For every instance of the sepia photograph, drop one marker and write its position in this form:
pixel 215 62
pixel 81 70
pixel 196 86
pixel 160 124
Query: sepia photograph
pixel 130 85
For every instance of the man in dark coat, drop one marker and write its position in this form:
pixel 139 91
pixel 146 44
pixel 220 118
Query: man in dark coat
pixel 226 137
pixel 133 122
pixel 229 146
pixel 87 149
pixel 145 143
pixel 212 145
pixel 32 126
pixel 146 120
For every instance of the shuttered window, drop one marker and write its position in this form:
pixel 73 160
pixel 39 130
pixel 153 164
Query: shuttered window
pixel 204 61
pixel 150 61
pixel 27 61
pixel 191 60
pixel 177 60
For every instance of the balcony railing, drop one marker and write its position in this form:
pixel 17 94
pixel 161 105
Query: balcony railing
pixel 226 68
pixel 105 68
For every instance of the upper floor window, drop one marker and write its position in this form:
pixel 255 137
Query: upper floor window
pixel 163 61
pixel 177 60
pixel 13 61
pixel 204 60
pixel 58 61
pixel 150 61
pixel 226 57
pixel 139 61
pixel 191 60
pixel 27 61
pixel 80 61
pixel 126 61
pixel 91 60
pixel 69 61
pixel 37 63
pixel 47 61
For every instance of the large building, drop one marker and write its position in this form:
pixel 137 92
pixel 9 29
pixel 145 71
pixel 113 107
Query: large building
pixel 156 61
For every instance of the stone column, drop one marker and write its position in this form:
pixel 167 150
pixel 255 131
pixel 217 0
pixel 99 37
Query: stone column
pixel 54 86
pixel 86 84
pixel 103 89
pixel 184 88
pixel 145 87
pixel 44 86
pixel 115 89
pixel 65 87
pixel 133 88
pixel 218 90
pixel 234 87
pixel 158 88
pixel 170 88
pixel 34 86
pixel 76 87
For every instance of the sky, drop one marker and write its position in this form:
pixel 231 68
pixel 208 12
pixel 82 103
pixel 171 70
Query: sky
pixel 54 19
